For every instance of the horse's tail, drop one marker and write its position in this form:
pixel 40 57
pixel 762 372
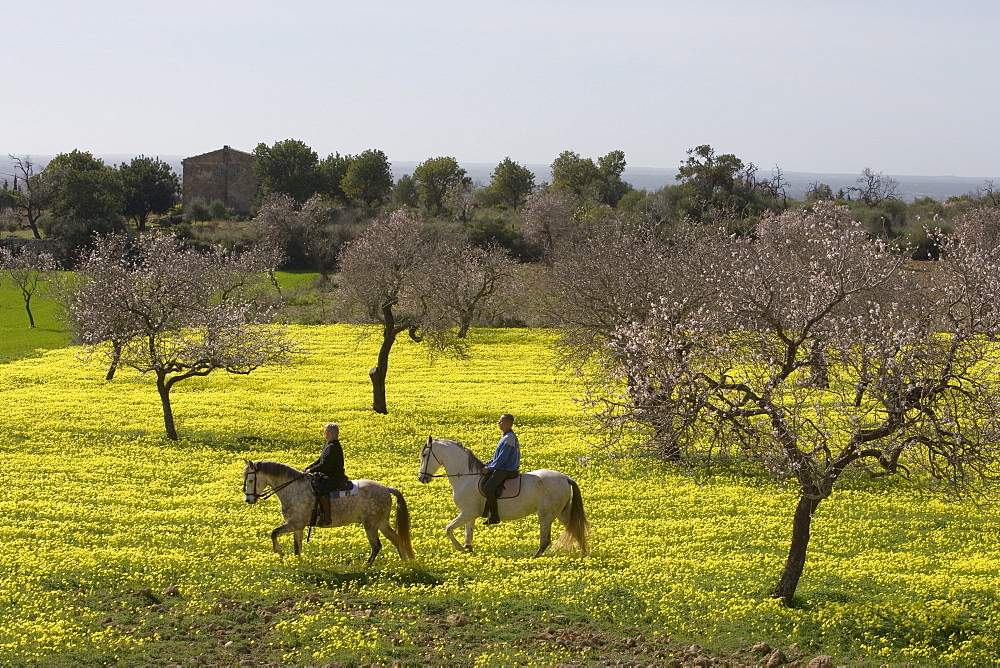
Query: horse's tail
pixel 405 546
pixel 575 521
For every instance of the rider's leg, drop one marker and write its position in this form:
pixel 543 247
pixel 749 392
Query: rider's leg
pixel 325 519
pixel 491 490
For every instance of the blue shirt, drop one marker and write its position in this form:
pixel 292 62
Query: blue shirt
pixel 507 456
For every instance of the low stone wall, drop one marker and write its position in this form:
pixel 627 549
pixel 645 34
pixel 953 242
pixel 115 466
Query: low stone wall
pixel 21 244
pixel 53 247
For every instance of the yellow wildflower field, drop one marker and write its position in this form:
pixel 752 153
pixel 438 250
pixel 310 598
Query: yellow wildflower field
pixel 121 546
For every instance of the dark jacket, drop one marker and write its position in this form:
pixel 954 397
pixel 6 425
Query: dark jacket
pixel 330 466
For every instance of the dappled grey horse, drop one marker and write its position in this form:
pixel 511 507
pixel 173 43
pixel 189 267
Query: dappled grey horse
pixel 370 507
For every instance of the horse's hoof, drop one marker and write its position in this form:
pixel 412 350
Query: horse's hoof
pixel 467 548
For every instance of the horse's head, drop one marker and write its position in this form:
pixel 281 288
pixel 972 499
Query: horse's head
pixel 252 487
pixel 429 461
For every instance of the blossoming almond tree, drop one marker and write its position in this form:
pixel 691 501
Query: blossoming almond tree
pixel 303 230
pixel 910 355
pixel 27 270
pixel 467 283
pixel 174 313
pixel 403 278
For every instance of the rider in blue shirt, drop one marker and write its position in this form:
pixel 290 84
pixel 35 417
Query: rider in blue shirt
pixel 505 464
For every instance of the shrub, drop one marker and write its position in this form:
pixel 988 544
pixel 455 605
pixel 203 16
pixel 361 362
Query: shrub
pixel 197 211
pixel 217 210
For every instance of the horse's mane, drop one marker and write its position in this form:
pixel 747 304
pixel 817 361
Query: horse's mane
pixel 276 469
pixel 474 462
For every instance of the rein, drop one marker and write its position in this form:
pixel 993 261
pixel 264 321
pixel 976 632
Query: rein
pixel 429 448
pixel 274 490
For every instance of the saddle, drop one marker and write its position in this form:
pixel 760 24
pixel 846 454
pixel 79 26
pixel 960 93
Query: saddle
pixel 349 488
pixel 511 487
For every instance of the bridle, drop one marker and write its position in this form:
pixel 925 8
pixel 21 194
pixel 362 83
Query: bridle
pixel 259 496
pixel 429 449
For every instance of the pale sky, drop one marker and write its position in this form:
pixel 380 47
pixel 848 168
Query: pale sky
pixel 906 87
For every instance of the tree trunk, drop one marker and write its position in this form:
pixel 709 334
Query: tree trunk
pixel 665 438
pixel 27 307
pixel 168 413
pixel 380 371
pixel 33 225
pixel 819 376
pixel 116 355
pixel 321 268
pixel 378 390
pixel 797 552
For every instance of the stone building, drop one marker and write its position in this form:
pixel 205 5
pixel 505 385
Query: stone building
pixel 226 175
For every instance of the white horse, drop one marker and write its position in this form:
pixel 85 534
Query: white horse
pixel 548 493
pixel 370 507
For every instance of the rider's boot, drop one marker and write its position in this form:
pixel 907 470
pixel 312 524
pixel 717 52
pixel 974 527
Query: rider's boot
pixel 491 511
pixel 325 518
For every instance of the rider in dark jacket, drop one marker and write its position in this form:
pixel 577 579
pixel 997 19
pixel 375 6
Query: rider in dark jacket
pixel 330 470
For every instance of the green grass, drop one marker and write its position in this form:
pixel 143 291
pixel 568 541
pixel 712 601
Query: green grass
pixel 17 340
pixel 297 281
pixel 304 299
pixel 305 303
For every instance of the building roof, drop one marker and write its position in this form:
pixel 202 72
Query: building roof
pixel 224 149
